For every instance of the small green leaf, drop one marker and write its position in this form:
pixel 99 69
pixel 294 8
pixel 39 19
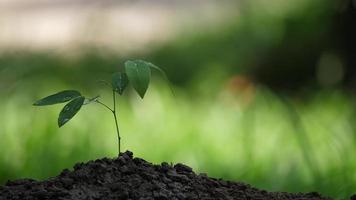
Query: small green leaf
pixel 139 74
pixel 163 74
pixel 59 97
pixel 153 66
pixel 119 82
pixel 91 100
pixel 70 110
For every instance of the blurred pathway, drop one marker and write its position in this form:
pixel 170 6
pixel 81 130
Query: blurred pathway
pixel 121 25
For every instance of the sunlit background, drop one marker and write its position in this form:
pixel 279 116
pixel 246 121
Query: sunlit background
pixel 264 91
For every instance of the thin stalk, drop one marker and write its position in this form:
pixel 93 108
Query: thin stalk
pixel 103 104
pixel 115 117
pixel 113 111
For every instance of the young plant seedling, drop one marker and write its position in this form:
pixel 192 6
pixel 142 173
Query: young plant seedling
pixel 137 72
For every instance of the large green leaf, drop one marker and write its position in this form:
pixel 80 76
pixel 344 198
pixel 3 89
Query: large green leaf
pixel 70 110
pixel 139 74
pixel 59 97
pixel 119 82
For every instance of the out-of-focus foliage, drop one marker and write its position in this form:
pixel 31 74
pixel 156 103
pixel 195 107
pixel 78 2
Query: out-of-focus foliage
pixel 250 42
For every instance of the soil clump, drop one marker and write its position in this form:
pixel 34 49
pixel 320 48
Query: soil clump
pixel 126 177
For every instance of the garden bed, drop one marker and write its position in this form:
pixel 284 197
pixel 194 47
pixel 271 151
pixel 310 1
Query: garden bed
pixel 133 178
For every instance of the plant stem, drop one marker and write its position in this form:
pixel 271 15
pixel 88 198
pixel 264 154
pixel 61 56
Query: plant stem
pixel 115 117
pixel 103 104
pixel 113 111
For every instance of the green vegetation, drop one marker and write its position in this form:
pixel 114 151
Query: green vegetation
pixel 138 72
pixel 256 143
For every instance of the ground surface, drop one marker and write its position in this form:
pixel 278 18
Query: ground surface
pixel 133 178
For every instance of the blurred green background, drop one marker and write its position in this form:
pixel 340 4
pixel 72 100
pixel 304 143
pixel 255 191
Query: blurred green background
pixel 264 91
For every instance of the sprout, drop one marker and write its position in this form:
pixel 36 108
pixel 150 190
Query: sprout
pixel 137 72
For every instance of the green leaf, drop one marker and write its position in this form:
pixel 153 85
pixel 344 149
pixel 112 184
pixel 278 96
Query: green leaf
pixel 70 110
pixel 91 100
pixel 59 97
pixel 139 74
pixel 119 82
pixel 163 74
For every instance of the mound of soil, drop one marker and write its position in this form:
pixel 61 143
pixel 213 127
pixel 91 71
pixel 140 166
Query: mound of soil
pixel 133 178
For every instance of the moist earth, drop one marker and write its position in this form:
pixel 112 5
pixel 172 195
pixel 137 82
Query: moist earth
pixel 126 177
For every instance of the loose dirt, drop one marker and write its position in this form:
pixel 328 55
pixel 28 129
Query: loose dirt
pixel 134 178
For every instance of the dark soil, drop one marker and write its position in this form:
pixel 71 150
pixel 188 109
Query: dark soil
pixel 133 178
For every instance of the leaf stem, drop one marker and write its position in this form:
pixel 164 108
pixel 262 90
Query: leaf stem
pixel 103 104
pixel 115 117
pixel 113 111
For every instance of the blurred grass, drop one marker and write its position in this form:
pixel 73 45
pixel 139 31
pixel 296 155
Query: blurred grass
pixel 256 142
